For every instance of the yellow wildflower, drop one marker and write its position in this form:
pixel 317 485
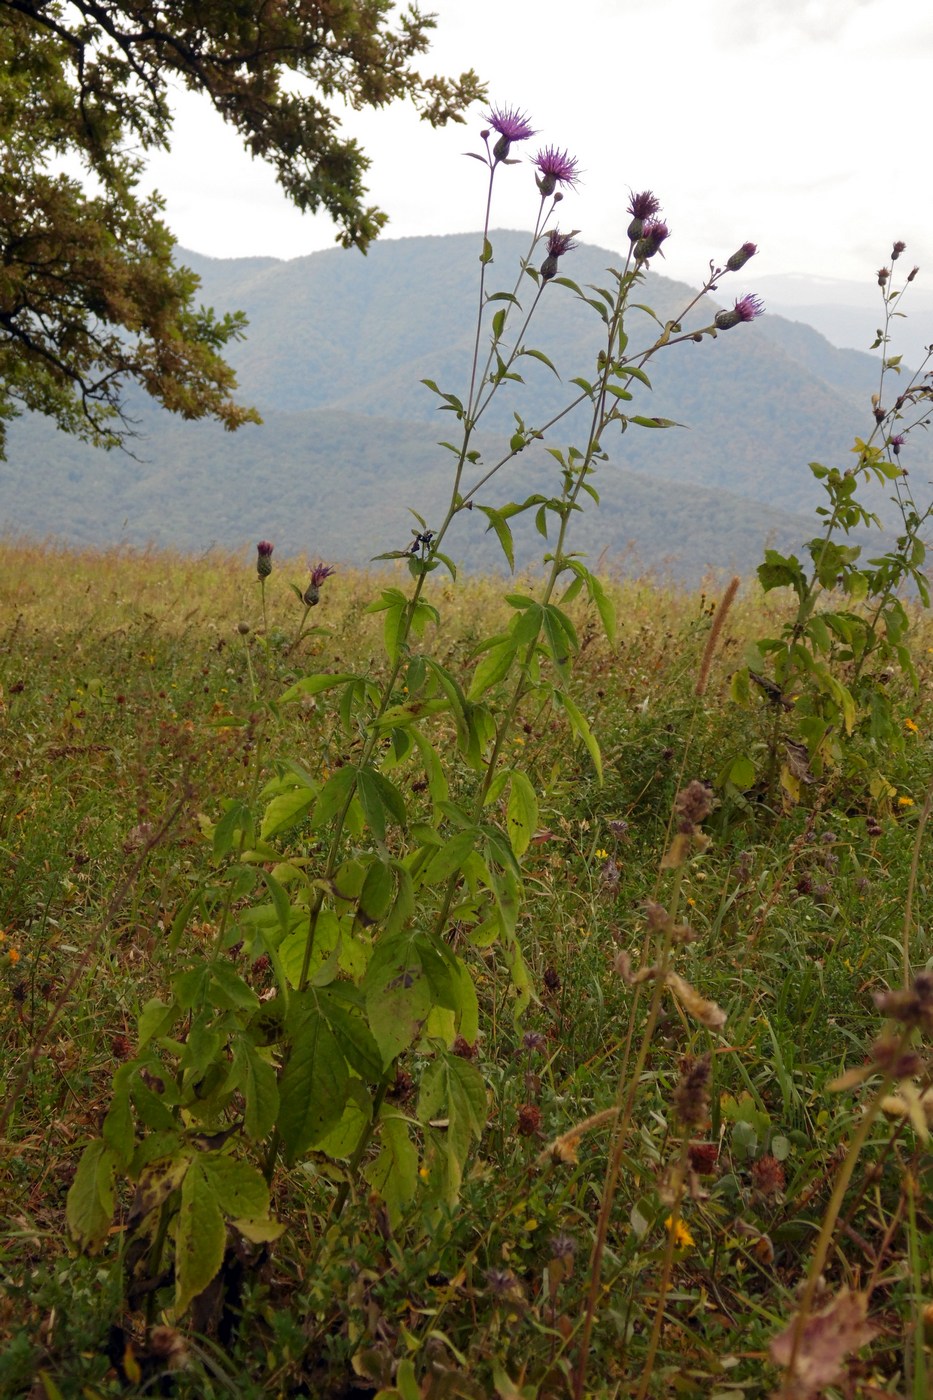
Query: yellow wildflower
pixel 601 854
pixel 13 955
pixel 682 1236
pixel 909 724
pixel 905 802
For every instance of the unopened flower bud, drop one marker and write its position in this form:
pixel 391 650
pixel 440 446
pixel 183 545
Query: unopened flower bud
pixel 264 558
pixel 741 256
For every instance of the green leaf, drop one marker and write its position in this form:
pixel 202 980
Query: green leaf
pixel 580 727
pixel 234 830
pixel 201 1237
pixel 315 685
pixel 229 991
pixel 238 1187
pixel 333 795
pixel 90 1200
pixel 260 1091
pixel 493 668
pixel 313 1086
pixel 286 811
pixel 351 1032
pixel 398 995
pixel 521 813
pixel 538 355
pixel 341 1141
pixel 394 1173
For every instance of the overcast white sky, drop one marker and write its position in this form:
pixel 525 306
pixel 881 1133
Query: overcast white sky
pixel 798 124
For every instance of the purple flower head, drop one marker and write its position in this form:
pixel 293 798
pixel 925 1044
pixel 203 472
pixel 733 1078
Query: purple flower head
pixel 319 573
pixel 555 168
pixel 741 256
pixel 746 309
pixel 264 558
pixel 897 442
pixel 641 206
pixel 897 250
pixel 512 125
pixel 557 245
pixel 653 235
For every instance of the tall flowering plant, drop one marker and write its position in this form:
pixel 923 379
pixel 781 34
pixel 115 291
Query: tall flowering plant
pixel 368 891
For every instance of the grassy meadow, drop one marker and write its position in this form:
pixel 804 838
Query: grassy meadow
pixel 141 691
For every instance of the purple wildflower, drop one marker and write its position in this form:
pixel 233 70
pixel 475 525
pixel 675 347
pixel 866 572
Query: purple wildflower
pixel 264 558
pixel 641 206
pixel 897 442
pixel 741 256
pixel 653 235
pixel 557 244
pixel 897 250
pixel 555 168
pixel 319 573
pixel 512 125
pixel 746 309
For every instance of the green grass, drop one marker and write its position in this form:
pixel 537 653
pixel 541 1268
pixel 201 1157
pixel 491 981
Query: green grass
pixel 128 693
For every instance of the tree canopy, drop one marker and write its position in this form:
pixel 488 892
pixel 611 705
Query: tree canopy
pixel 90 297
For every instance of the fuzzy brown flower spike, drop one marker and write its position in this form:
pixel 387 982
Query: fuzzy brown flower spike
pixel 912 1006
pixel 691 807
pixel 691 1094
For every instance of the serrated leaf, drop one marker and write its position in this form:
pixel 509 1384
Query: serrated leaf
pixel 260 1092
pixel 238 1187
pixel 398 995
pixel 200 1239
pixel 394 1173
pixel 313 1086
pixel 90 1200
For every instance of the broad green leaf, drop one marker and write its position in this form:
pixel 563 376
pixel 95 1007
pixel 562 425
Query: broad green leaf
pixel 324 953
pixel 313 1086
pixel 398 995
pixel 201 1237
pixel 521 813
pixel 580 727
pixel 90 1200
pixel 234 830
pixel 286 811
pixel 342 1139
pixel 315 685
pixel 494 666
pixel 260 1091
pixel 394 1173
pixel 117 1129
pixel 334 794
pixel 238 1187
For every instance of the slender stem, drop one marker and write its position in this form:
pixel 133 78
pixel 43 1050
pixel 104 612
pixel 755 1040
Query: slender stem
pixel 828 1224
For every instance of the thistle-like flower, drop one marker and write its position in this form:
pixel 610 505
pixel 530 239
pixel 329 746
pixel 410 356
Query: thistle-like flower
pixel 264 558
pixel 653 234
pixel 741 256
pixel 511 125
pixel 557 245
pixel 642 207
pixel 554 168
pixel 319 573
pixel 746 309
pixel 897 442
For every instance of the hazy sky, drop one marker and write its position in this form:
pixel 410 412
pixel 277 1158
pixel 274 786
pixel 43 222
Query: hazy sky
pixel 798 124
